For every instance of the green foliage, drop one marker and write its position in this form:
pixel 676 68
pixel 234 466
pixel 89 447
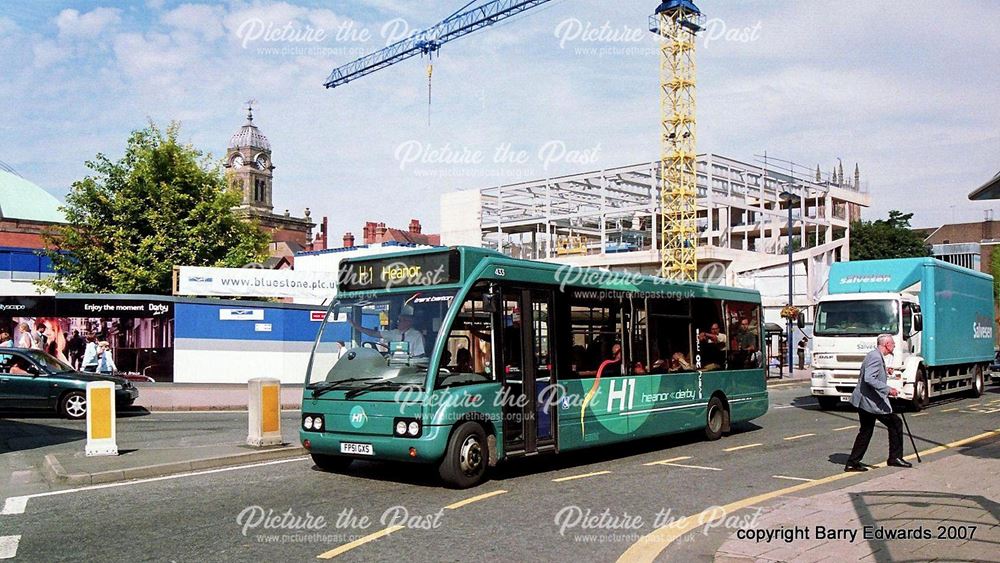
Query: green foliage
pixel 995 272
pixel 162 204
pixel 889 238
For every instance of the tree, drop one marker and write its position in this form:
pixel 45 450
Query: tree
pixel 995 271
pixel 889 238
pixel 162 204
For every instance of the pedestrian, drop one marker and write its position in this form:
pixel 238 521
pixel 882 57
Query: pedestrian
pixel 105 362
pixel 871 397
pixel 803 344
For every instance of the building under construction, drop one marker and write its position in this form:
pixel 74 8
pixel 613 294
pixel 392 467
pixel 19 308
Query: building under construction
pixel 611 219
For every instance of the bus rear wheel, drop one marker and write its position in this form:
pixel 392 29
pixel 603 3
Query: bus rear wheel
pixel 331 462
pixel 715 422
pixel 465 459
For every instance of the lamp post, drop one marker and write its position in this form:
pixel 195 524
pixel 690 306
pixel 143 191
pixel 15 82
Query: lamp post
pixel 790 199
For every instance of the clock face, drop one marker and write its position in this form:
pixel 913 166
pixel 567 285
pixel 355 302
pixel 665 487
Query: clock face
pixel 261 162
pixel 237 161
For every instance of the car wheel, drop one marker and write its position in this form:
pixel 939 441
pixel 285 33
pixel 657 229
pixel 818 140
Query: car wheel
pixel 828 403
pixel 73 405
pixel 331 462
pixel 465 460
pixel 978 383
pixel 921 392
pixel 715 419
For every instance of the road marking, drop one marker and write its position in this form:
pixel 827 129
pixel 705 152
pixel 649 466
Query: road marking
pixel 14 505
pixel 951 409
pixel 8 546
pixel 784 407
pixel 681 458
pixel 649 547
pixel 358 542
pixel 584 476
pixel 792 478
pixel 925 413
pixel 690 466
pixel 19 503
pixel 794 383
pixel 799 436
pixel 478 498
pixel 735 448
pixel 845 428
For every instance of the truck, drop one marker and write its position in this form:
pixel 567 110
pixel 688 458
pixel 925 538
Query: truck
pixel 940 315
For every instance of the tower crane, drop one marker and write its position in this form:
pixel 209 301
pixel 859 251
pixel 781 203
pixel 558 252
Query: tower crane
pixel 427 42
pixel 676 22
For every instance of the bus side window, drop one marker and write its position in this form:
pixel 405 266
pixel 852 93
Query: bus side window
pixel 637 351
pixel 595 329
pixel 670 335
pixel 468 355
pixel 744 335
pixel 710 339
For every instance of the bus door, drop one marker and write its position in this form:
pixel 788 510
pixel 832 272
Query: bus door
pixel 526 348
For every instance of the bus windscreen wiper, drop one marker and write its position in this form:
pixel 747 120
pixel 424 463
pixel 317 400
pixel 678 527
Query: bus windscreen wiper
pixel 371 387
pixel 321 388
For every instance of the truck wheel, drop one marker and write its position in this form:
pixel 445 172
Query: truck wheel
pixel 978 383
pixel 465 459
pixel 715 419
pixel 828 403
pixel 333 463
pixel 921 392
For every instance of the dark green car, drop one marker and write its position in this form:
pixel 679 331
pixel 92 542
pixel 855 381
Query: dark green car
pixel 32 379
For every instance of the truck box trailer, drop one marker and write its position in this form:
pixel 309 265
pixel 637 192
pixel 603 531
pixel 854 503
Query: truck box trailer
pixel 939 314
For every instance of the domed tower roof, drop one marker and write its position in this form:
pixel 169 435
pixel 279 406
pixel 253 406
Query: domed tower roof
pixel 22 199
pixel 249 135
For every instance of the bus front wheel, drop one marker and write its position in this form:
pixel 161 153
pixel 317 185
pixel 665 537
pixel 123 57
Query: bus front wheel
pixel 465 460
pixel 715 419
pixel 331 462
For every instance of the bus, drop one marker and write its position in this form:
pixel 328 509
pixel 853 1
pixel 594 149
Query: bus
pixel 463 357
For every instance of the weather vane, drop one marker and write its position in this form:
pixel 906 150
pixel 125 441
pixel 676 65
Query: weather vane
pixel 250 104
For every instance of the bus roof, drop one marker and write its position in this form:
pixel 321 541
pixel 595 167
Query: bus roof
pixel 486 263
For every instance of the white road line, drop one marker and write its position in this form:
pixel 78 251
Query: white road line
pixel 844 428
pixel 8 546
pixel 14 505
pixel 792 478
pixel 737 448
pixel 661 462
pixel 799 436
pixel 690 466
pixel 18 504
pixel 921 414
pixel 951 409
pixel 585 475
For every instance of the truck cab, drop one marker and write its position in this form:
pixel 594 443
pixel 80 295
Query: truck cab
pixel 845 331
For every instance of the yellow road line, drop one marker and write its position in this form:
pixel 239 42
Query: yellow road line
pixel 792 478
pixel 925 413
pixel 733 449
pixel 799 436
pixel 691 466
pixel 681 458
pixel 357 543
pixel 651 545
pixel 951 409
pixel 584 476
pixel 476 498
pixel 845 428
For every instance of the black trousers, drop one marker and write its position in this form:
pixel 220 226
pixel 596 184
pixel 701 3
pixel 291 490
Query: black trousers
pixel 891 421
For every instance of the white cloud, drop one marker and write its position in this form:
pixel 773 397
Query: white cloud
pixel 205 20
pixel 72 23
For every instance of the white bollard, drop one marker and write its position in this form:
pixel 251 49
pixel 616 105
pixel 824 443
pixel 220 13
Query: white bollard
pixel 102 434
pixel 265 412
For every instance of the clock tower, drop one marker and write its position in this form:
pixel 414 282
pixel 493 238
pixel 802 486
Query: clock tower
pixel 249 169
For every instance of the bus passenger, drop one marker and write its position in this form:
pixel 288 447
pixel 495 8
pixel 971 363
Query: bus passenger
pixel 463 360
pixel 713 346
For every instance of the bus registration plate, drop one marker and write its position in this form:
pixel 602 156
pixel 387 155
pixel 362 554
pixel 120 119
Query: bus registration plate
pixel 356 449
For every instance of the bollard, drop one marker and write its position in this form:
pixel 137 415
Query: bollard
pixel 265 412
pixel 102 434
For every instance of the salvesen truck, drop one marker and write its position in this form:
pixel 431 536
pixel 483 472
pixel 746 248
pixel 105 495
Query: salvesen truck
pixel 940 315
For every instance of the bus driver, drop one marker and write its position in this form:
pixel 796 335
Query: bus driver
pixel 404 332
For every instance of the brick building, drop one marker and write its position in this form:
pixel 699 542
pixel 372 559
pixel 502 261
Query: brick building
pixel 26 211
pixel 965 244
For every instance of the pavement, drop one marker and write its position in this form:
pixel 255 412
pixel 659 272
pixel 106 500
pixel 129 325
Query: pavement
pixel 947 509
pixel 204 396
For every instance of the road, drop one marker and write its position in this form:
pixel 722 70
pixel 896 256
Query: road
pixel 530 510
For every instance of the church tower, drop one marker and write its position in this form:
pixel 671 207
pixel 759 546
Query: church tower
pixel 250 170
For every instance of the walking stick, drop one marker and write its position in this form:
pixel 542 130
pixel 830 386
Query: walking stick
pixel 914 444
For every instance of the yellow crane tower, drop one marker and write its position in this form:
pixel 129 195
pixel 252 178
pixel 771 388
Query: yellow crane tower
pixel 676 22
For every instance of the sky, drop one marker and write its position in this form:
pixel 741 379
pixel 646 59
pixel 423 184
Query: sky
pixel 905 90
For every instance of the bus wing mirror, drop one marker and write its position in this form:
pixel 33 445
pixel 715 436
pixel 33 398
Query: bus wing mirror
pixel 491 299
pixel 802 319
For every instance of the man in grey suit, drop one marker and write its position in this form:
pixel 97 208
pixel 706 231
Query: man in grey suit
pixel 871 397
